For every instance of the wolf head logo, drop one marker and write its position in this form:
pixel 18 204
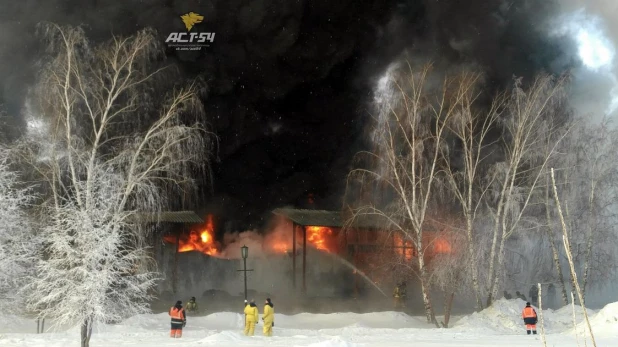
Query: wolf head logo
pixel 190 19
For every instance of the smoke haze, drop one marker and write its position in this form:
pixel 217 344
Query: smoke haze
pixel 289 81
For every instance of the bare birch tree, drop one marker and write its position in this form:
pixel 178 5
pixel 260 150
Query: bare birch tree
pixel 596 156
pixel 105 163
pixel 587 189
pixel 471 127
pixel 569 253
pixel 450 269
pixel 406 162
pixel 526 122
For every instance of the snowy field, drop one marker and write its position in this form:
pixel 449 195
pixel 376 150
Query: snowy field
pixel 496 326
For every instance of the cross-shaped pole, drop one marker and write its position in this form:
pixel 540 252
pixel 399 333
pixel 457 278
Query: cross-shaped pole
pixel 244 251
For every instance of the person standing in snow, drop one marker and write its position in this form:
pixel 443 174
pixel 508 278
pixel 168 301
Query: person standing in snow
pixel 530 318
pixel 192 305
pixel 251 318
pixel 534 295
pixel 399 294
pixel 268 317
pixel 179 319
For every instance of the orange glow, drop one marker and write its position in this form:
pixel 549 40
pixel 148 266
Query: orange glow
pixel 404 250
pixel 201 241
pixel 441 246
pixel 320 237
pixel 279 247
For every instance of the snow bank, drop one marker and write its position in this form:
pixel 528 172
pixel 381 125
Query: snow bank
pixel 504 317
pixel 608 315
pixel 605 322
pixel 384 329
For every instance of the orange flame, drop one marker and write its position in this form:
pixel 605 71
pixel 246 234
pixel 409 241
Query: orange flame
pixel 201 241
pixel 319 237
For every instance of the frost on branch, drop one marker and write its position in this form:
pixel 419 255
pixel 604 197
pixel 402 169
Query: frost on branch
pixel 91 272
pixel 115 145
pixel 15 231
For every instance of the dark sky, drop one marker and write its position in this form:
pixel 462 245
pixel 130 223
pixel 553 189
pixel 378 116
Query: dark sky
pixel 290 81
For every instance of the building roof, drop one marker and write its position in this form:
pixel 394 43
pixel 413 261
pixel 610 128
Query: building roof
pixel 311 217
pixel 331 219
pixel 188 217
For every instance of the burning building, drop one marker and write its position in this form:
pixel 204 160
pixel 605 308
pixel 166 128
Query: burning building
pixel 311 252
pixel 363 243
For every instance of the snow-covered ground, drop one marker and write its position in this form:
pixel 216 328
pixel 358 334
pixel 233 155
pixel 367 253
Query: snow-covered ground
pixel 499 325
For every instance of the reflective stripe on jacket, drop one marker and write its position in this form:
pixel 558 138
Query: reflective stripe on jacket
pixel 177 314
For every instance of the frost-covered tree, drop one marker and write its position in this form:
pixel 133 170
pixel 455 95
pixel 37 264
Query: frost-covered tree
pixel 471 126
pixel 111 148
pixel 586 174
pixel 404 166
pixel 16 243
pixel 528 121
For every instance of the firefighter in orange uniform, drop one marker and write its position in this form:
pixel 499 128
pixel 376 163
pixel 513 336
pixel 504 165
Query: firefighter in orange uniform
pixel 251 318
pixel 179 319
pixel 530 319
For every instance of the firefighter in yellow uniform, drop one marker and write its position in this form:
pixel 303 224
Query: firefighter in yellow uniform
pixel 268 317
pixel 251 317
pixel 399 294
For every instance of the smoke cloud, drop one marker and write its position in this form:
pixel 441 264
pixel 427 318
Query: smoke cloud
pixel 277 238
pixel 290 80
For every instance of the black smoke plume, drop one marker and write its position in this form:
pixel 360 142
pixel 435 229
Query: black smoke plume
pixel 289 80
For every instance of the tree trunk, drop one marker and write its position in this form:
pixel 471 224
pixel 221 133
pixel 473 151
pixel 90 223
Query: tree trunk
pixel 448 305
pixel 493 290
pixel 501 202
pixel 554 249
pixel 568 233
pixel 540 300
pixel 86 332
pixel 587 265
pixel 591 230
pixel 492 253
pixel 475 281
pixel 429 313
pixel 567 247
pixel 556 257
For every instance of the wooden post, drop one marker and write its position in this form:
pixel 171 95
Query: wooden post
pixel 175 269
pixel 304 259
pixel 294 255
pixel 356 256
